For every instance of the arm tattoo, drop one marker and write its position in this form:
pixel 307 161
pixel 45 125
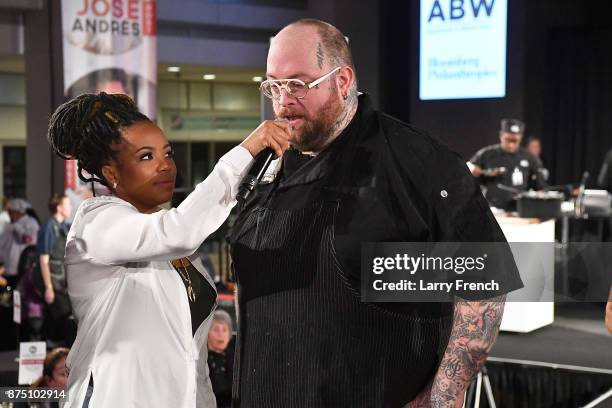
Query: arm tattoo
pixel 320 55
pixel 475 328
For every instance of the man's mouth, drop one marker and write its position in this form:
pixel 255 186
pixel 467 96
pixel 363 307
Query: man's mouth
pixel 294 120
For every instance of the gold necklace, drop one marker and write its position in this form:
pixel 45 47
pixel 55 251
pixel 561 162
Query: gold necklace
pixel 190 293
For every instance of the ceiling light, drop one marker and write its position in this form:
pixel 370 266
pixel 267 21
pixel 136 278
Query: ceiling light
pixel 174 69
pixel 257 79
pixel 209 77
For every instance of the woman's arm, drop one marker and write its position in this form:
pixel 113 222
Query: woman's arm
pixel 115 233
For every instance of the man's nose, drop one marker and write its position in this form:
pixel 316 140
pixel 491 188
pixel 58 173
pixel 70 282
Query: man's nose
pixel 285 98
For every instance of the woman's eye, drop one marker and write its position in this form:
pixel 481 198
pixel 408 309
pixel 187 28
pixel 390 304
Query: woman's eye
pixel 146 156
pixel 170 154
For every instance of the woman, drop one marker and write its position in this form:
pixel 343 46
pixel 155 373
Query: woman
pixel 142 301
pixel 221 357
pixel 54 375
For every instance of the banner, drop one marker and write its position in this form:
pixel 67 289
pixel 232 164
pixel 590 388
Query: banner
pixel 462 49
pixel 31 360
pixel 110 46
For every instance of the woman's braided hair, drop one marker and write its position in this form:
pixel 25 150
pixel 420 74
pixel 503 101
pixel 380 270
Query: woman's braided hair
pixel 88 127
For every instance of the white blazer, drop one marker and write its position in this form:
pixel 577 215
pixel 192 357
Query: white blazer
pixel 134 324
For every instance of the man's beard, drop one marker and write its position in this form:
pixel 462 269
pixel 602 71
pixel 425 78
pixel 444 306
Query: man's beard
pixel 317 130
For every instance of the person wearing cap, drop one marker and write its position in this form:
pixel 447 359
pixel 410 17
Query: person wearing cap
pixel 507 163
pixel 22 232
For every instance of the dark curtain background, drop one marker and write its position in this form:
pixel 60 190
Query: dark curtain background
pixel 577 124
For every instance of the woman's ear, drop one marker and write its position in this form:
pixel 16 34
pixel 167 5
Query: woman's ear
pixel 110 173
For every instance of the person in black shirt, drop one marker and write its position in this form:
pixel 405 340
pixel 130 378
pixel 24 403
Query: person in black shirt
pixel 221 357
pixel 507 164
pixel 353 175
pixel 533 145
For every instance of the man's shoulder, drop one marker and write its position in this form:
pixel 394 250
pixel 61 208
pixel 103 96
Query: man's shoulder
pixel 405 136
pixel 489 150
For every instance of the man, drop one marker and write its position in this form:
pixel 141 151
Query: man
pixel 21 232
pixel 51 249
pixel 55 228
pixel 354 175
pixel 507 164
pixel 533 145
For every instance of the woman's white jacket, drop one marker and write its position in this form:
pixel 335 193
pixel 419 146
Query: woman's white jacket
pixel 134 326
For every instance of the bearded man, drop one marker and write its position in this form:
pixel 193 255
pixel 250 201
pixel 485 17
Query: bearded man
pixel 353 175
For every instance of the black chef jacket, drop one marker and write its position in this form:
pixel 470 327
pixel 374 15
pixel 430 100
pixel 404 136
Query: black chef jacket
pixel 399 184
pixel 529 166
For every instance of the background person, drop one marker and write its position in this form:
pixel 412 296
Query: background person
pixel 55 375
pixel 21 232
pixel 533 145
pixel 509 164
pixel 51 248
pixel 221 357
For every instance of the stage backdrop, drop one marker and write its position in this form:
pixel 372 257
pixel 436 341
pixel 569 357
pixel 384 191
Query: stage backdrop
pixel 110 46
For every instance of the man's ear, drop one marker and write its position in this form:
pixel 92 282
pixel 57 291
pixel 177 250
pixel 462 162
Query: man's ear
pixel 345 78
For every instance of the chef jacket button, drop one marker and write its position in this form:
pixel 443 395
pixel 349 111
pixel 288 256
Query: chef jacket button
pixel 443 194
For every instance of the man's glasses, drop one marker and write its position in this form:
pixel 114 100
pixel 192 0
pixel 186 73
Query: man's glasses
pixel 294 87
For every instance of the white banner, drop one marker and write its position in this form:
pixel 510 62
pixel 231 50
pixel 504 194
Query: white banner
pixel 31 359
pixel 462 49
pixel 110 46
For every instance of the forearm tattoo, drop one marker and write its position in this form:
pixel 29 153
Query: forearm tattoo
pixel 475 328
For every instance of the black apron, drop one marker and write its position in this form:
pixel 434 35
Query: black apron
pixel 305 337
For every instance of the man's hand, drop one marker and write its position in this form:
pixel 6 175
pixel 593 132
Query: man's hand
pixel 475 328
pixel 49 295
pixel 476 170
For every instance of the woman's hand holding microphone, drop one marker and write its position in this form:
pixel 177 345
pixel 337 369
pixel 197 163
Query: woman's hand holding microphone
pixel 273 134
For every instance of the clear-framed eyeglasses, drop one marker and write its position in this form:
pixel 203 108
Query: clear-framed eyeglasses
pixel 272 88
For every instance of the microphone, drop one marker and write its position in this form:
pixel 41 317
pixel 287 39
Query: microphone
pixel 255 174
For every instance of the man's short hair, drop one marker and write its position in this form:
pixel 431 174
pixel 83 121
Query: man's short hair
pixel 54 202
pixel 334 43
